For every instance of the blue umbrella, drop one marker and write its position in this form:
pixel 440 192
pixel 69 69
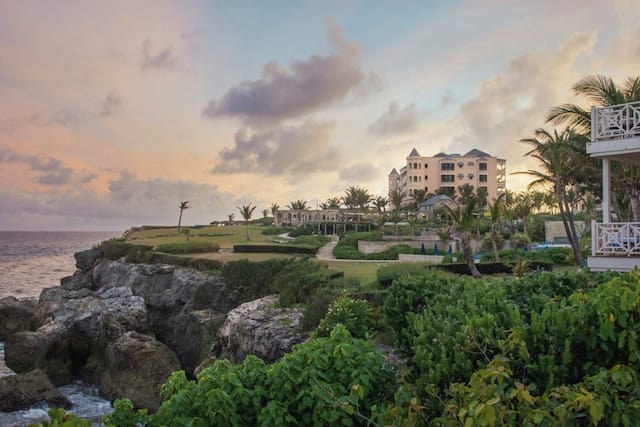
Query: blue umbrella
pixel 450 251
pixel 422 249
pixel 435 249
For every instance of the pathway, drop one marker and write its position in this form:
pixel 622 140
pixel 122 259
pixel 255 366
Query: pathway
pixel 325 253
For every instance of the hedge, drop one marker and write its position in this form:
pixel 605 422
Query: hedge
pixel 493 267
pixel 281 249
pixel 201 264
pixel 187 247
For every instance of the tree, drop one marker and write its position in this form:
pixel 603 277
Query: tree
pixel 466 194
pixel 496 213
pixel 331 203
pixel 396 197
pixel 463 222
pixel 231 216
pixel 559 155
pixel 483 196
pixel 420 196
pixel 356 197
pixel 246 211
pixel 603 91
pixel 523 207
pixel 380 203
pixel 265 213
pixel 297 205
pixel 183 205
pixel 274 212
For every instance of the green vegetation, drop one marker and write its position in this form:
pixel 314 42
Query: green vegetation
pixel 188 247
pixel 347 248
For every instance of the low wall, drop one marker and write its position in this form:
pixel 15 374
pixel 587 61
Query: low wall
pixel 429 259
pixel 370 247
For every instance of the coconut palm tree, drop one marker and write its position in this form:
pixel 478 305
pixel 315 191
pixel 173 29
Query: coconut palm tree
pixel 496 213
pixel 357 197
pixel 297 205
pixel 463 222
pixel 274 212
pixel 331 203
pixel 231 216
pixel 183 205
pixel 380 203
pixel 419 196
pixel 246 211
pixel 483 195
pixel 559 155
pixel 396 197
pixel 603 91
pixel 466 194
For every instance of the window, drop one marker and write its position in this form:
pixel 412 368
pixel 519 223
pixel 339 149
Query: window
pixel 426 165
pixel 447 166
pixel 470 164
pixel 415 166
pixel 460 164
pixel 460 175
pixel 446 178
pixel 483 178
pixel 483 166
pixel 449 191
pixel 470 176
pixel 425 177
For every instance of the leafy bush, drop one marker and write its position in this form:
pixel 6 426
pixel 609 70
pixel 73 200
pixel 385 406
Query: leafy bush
pixel 60 418
pixel 312 385
pixel 190 247
pixel 201 264
pixel 520 240
pixel 316 240
pixel 357 316
pixel 116 249
pixel 388 273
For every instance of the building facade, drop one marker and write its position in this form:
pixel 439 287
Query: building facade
pixel 445 173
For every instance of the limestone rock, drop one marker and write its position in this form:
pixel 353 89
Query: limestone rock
pixel 86 260
pixel 16 315
pixel 136 366
pixel 260 328
pixel 22 391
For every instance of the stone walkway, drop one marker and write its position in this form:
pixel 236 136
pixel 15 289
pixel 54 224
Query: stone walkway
pixel 325 253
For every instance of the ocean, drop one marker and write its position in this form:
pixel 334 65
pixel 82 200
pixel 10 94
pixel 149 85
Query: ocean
pixel 29 262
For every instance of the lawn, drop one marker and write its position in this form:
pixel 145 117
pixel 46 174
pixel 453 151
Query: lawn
pixel 364 271
pixel 225 237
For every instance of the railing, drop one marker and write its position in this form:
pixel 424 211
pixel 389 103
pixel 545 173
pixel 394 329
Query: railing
pixel 616 121
pixel 616 239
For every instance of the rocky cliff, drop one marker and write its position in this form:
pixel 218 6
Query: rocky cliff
pixel 126 327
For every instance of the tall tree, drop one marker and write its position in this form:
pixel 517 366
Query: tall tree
pixel 396 197
pixel 183 205
pixel 265 213
pixel 356 197
pixel 380 203
pixel 603 91
pixel 463 222
pixel 483 196
pixel 420 196
pixel 466 194
pixel 496 213
pixel 297 205
pixel 274 212
pixel 559 155
pixel 246 211
pixel 331 203
pixel 231 216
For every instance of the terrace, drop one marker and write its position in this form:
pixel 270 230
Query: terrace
pixel 615 135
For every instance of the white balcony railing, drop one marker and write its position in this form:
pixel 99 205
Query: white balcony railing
pixel 616 121
pixel 616 239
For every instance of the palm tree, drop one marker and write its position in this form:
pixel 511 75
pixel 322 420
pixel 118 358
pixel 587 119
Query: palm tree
pixel 466 194
pixel 523 207
pixel 559 155
pixel 183 205
pixel 420 196
pixel 265 213
pixel 274 212
pixel 463 221
pixel 496 213
pixel 603 91
pixel 231 216
pixel 331 203
pixel 297 205
pixel 483 195
pixel 356 197
pixel 396 197
pixel 246 211
pixel 380 203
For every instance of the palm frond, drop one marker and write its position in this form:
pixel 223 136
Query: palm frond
pixel 571 114
pixel 600 89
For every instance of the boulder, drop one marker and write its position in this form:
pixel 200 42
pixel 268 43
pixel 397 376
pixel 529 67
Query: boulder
pixel 46 349
pixel 22 391
pixel 260 328
pixel 86 260
pixel 136 366
pixel 16 315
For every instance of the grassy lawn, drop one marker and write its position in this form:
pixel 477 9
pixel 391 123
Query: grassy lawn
pixel 225 237
pixel 231 256
pixel 364 271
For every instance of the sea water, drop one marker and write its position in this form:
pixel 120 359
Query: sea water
pixel 29 262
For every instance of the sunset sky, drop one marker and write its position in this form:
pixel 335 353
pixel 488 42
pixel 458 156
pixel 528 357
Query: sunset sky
pixel 112 112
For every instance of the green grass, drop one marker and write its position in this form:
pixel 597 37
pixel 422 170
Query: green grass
pixel 225 237
pixel 363 271
pixel 187 247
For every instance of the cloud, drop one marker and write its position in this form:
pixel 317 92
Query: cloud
pixel 55 173
pixel 110 104
pixel 396 120
pixel 447 99
pixel 305 86
pixel 161 59
pixel 358 173
pixel 61 117
pixel 514 103
pixel 285 150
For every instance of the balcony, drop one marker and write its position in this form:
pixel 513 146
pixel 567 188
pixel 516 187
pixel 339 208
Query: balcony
pixel 615 132
pixel 615 135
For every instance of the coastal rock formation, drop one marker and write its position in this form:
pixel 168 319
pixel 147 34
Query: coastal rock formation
pixel 136 366
pixel 126 326
pixel 260 328
pixel 25 390
pixel 16 315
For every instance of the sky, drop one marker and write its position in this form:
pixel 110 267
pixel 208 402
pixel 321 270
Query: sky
pixel 113 112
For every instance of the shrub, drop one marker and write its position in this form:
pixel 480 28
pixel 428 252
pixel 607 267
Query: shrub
pixel 275 248
pixel 274 231
pixel 117 249
pixel 189 247
pixel 388 273
pixel 201 264
pixel 357 316
pixel 520 240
